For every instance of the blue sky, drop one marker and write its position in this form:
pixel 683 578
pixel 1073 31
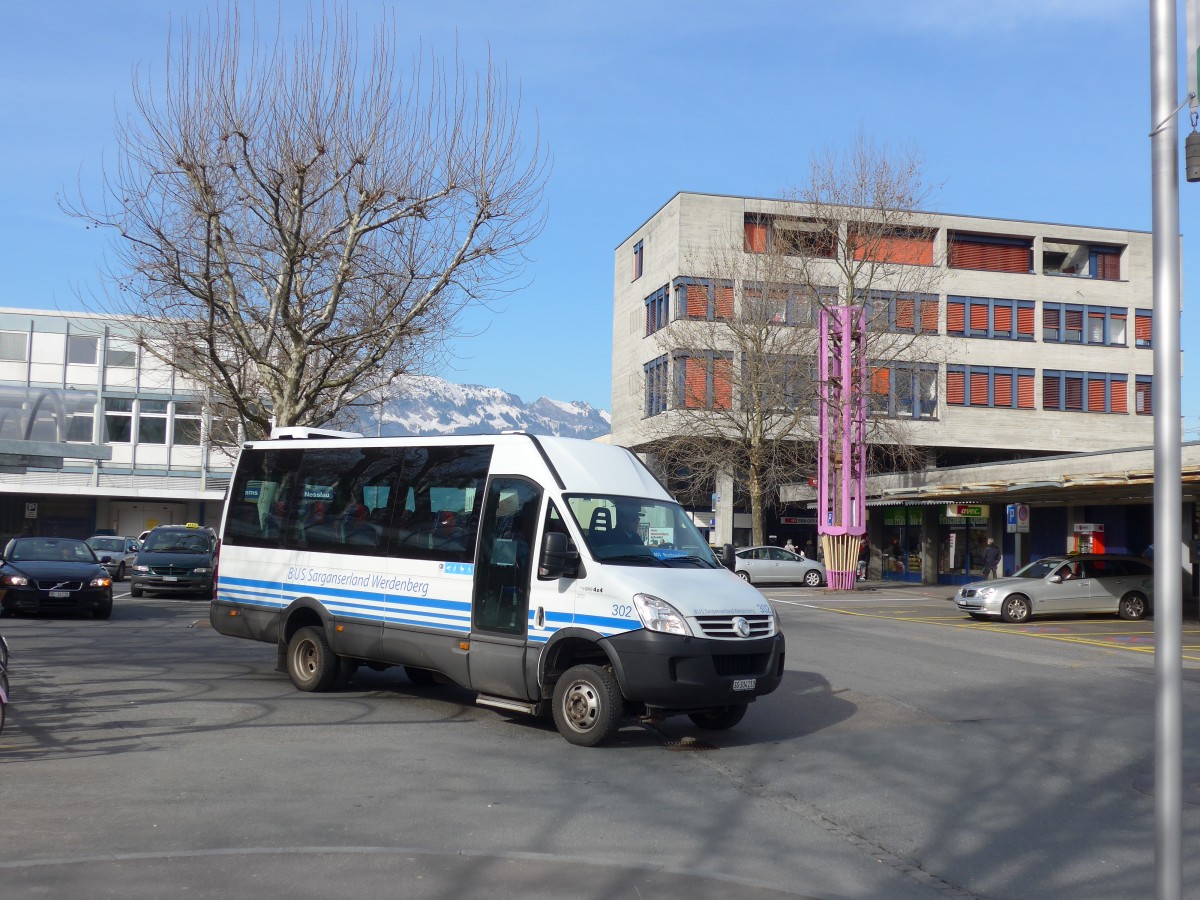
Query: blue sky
pixel 1027 109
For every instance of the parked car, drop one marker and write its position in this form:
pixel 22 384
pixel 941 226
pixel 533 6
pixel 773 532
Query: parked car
pixel 175 559
pixel 120 552
pixel 44 574
pixel 774 565
pixel 1084 583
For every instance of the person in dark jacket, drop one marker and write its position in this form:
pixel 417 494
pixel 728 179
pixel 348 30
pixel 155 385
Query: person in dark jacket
pixel 991 559
pixel 864 559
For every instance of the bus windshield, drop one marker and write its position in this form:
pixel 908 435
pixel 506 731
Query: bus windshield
pixel 639 531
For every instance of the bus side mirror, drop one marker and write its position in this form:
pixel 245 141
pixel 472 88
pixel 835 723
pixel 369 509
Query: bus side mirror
pixel 728 559
pixel 558 559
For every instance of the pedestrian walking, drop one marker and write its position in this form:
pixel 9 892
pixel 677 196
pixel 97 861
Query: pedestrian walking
pixel 991 559
pixel 864 559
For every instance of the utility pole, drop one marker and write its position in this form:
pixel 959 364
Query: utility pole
pixel 1168 489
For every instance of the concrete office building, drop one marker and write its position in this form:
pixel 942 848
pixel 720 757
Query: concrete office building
pixel 97 434
pixel 1037 343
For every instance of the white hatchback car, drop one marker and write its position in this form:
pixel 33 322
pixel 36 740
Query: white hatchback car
pixel 774 565
pixel 1087 583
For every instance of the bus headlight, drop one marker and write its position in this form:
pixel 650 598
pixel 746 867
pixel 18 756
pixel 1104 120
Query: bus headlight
pixel 659 615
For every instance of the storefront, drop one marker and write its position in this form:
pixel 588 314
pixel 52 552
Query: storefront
pixel 900 543
pixel 962 535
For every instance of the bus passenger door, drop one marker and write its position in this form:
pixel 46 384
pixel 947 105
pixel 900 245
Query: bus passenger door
pixel 504 568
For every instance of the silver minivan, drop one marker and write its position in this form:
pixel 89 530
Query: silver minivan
pixel 1084 583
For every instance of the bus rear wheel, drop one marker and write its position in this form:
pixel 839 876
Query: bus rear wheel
pixel 311 665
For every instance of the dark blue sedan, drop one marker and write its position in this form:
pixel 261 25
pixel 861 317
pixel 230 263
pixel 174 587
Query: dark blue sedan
pixel 40 575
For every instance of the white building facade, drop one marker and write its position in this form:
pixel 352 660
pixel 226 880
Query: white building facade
pixel 1037 340
pixel 96 434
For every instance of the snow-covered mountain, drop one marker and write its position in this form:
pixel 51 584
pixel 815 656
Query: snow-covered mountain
pixel 428 405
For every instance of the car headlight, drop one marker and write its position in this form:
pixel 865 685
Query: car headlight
pixel 100 581
pixel 659 615
pixel 16 581
pixel 141 568
pixel 986 593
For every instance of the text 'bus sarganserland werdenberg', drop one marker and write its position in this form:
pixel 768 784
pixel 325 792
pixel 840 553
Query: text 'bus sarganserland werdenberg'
pixel 547 574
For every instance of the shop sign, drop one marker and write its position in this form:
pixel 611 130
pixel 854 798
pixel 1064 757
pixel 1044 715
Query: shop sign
pixel 1089 528
pixel 798 520
pixel 967 510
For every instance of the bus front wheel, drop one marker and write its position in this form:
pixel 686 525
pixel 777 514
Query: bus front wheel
pixel 311 665
pixel 587 705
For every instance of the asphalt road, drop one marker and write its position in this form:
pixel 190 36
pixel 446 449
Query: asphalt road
pixel 910 753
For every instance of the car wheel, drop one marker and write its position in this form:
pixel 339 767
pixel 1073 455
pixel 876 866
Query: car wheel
pixel 719 719
pixel 135 592
pixel 587 705
pixel 419 677
pixel 745 576
pixel 1015 608
pixel 812 578
pixel 311 665
pixel 1132 607
pixel 120 576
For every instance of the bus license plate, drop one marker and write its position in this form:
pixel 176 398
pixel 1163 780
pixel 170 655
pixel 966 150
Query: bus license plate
pixel 60 593
pixel 744 684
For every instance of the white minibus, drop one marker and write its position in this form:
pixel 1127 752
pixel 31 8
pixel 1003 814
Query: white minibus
pixel 546 574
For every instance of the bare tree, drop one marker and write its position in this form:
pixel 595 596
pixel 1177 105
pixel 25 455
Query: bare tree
pixel 743 383
pixel 295 227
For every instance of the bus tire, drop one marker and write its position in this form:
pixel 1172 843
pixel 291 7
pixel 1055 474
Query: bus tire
pixel 587 705
pixel 311 665
pixel 719 719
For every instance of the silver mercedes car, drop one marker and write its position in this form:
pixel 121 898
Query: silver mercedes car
pixel 1085 583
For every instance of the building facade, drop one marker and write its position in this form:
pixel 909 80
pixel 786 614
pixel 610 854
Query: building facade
pixel 97 435
pixel 1036 341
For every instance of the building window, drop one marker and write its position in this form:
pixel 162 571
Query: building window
pixel 1143 396
pixel 79 428
pixel 988 317
pixel 992 253
pixel 702 299
pixel 656 386
pixel 638 260
pixel 187 421
pixel 789 236
pixel 13 345
pixel 152 421
pixel 1143 328
pixel 1077 260
pixel 656 310
pixel 904 390
pixel 81 350
pixel 904 313
pixel 121 355
pixel 704 380
pixel 1073 323
pixel 779 304
pixel 118 420
pixel 894 246
pixel 997 387
pixel 1095 392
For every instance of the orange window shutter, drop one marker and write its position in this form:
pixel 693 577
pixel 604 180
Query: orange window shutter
pixel 1002 388
pixel 906 314
pixel 1025 392
pixel 756 237
pixel 1025 320
pixel 725 302
pixel 956 317
pixel 929 316
pixel 1118 398
pixel 979 317
pixel 722 383
pixel 1003 317
pixel 1096 394
pixel 979 389
pixel 697 301
pixel 695 383
pixel 881 380
pixel 956 389
pixel 1142 328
